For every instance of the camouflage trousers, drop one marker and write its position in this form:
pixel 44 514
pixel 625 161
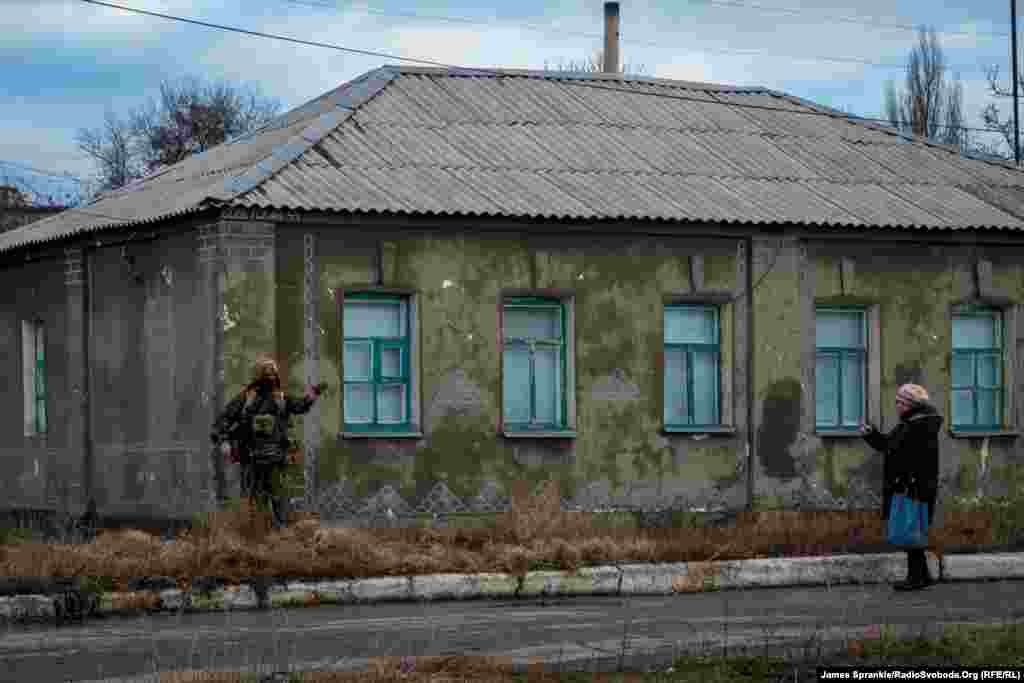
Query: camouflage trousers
pixel 262 483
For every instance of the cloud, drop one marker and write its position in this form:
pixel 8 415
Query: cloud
pixel 81 59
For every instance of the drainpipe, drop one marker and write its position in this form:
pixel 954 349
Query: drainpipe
pixel 89 460
pixel 751 454
pixel 611 38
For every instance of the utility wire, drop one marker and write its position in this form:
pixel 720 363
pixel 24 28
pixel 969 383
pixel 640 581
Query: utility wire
pixel 26 167
pixel 540 28
pixel 493 72
pixel 847 20
pixel 972 68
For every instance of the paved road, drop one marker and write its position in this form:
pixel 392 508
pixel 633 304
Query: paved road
pixel 570 630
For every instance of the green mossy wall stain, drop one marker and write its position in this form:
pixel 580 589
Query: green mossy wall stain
pixel 914 297
pixel 461 452
pixel 720 269
pixel 248 325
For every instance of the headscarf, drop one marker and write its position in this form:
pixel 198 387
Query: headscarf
pixel 914 393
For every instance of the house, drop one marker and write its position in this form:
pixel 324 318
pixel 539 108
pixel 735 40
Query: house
pixel 654 292
pixel 15 210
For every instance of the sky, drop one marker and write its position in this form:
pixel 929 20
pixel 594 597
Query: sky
pixel 64 63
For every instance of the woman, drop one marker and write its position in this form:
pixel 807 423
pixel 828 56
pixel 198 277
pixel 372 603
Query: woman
pixel 911 466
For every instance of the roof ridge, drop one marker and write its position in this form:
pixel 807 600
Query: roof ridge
pixel 355 94
pixel 913 138
pixel 550 74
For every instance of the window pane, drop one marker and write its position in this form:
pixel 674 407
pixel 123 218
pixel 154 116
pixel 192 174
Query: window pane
pixel 532 323
pixel 357 361
pixel 853 391
pixel 988 407
pixel 839 329
pixel 41 416
pixel 826 391
pixel 705 387
pixel 358 403
pixel 374 319
pixel 988 370
pixel 28 375
pixel 548 385
pixel 675 387
pixel 391 403
pixel 963 407
pixel 391 362
pixel 516 392
pixel 974 332
pixel 963 370
pixel 690 326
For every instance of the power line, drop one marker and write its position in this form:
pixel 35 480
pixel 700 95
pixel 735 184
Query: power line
pixel 550 30
pixel 26 167
pixel 493 72
pixel 848 20
pixel 970 68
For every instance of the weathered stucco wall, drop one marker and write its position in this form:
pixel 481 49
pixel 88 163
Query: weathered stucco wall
pixel 148 415
pixel 620 453
pixel 174 336
pixel 37 471
pixel 914 286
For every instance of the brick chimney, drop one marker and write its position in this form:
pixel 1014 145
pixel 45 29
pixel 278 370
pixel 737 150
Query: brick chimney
pixel 611 38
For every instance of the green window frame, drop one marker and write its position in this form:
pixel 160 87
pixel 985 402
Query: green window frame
pixel 840 377
pixel 692 367
pixel 523 395
pixel 977 369
pixel 34 362
pixel 371 369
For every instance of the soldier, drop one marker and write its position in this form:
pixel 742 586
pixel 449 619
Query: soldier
pixel 256 421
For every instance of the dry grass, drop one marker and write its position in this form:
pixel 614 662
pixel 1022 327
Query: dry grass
pixel 536 533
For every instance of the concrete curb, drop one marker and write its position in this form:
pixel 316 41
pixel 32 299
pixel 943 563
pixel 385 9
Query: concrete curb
pixel 625 579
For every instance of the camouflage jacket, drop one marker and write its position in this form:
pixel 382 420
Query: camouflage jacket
pixel 258 423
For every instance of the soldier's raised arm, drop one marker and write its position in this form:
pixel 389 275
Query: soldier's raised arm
pixel 300 406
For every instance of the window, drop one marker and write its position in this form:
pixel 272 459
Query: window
pixel 34 377
pixel 839 372
pixel 534 364
pixel 692 367
pixel 376 363
pixel 977 369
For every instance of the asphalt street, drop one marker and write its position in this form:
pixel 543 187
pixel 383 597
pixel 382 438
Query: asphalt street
pixel 580 632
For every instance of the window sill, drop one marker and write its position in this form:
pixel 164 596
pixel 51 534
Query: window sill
pixel 696 431
pixel 838 433
pixel 540 434
pixel 381 435
pixel 983 434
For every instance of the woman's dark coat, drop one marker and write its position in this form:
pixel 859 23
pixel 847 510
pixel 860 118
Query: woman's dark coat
pixel 911 457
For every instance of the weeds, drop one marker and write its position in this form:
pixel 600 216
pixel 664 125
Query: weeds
pixel 536 534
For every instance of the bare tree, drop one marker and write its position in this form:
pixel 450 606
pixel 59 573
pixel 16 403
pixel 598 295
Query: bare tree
pixel 928 105
pixel 593 64
pixel 11 196
pixel 111 147
pixel 991 115
pixel 189 116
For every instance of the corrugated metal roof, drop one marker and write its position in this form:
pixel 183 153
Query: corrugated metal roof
pixel 517 143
